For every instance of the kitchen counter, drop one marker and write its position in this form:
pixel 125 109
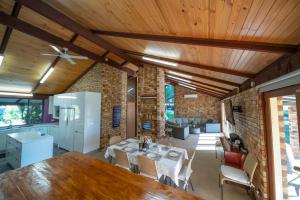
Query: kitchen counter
pixel 26 137
pixel 25 148
pixel 44 128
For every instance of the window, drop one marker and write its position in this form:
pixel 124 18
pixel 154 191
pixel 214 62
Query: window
pixel 14 111
pixel 169 106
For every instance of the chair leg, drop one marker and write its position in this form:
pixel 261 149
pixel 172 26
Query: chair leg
pixel 219 180
pixel 110 159
pixel 191 185
pixel 221 192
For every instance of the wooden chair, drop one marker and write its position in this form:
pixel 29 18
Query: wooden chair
pixel 148 167
pixel 122 159
pixel 242 177
pixel 113 140
pixel 186 172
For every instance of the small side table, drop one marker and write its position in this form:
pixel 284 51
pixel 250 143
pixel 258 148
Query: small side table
pixel 195 130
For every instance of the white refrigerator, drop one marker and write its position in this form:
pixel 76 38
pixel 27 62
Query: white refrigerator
pixel 79 121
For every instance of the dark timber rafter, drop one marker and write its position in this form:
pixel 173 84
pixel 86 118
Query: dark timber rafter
pixel 8 31
pixel 198 86
pixel 58 17
pixel 192 74
pixel 194 65
pixel 198 90
pixel 200 82
pixel 232 44
pixel 52 65
pixel 44 35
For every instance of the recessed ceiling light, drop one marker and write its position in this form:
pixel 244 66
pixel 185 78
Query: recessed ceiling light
pixel 187 86
pixel 1 59
pixel 46 75
pixel 160 61
pixel 175 77
pixel 16 94
pixel 180 74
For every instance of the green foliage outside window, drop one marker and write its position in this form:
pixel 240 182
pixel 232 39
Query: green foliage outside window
pixel 20 111
pixel 169 106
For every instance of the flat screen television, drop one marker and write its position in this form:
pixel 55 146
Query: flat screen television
pixel 228 111
pixel 147 125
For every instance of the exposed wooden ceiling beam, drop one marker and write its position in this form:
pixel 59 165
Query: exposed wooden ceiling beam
pixel 46 10
pixel 199 90
pixel 8 31
pixel 232 44
pixel 48 37
pixel 192 74
pixel 198 86
pixel 200 82
pixel 194 65
pixel 52 65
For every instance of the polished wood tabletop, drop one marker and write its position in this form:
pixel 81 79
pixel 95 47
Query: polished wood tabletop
pixel 78 176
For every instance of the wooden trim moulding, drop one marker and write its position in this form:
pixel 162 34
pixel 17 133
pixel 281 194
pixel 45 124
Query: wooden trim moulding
pixel 51 13
pixel 232 44
pixel 194 65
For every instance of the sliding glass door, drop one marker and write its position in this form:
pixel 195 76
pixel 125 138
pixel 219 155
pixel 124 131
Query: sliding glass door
pixel 283 142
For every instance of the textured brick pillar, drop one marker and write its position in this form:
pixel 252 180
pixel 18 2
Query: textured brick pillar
pixel 151 82
pixel 282 148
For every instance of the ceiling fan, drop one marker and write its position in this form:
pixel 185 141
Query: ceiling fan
pixel 64 54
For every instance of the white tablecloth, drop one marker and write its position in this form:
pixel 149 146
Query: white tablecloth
pixel 165 166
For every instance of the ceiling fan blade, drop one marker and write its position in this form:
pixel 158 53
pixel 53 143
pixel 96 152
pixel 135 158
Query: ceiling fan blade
pixel 56 49
pixel 79 57
pixel 48 54
pixel 70 60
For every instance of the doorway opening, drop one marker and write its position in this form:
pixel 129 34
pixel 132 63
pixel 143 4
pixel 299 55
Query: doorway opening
pixel 282 118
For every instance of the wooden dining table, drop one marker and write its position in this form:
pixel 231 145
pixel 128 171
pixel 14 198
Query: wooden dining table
pixel 78 176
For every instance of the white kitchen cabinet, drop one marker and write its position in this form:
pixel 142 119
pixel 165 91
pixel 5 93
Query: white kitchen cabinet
pixel 26 148
pixel 54 131
pixel 79 120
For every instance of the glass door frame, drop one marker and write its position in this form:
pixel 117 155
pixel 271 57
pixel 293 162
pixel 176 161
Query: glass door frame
pixel 291 90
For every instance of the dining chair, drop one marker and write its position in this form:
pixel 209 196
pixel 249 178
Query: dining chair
pixel 148 167
pixel 113 140
pixel 186 172
pixel 242 177
pixel 122 159
pixel 293 175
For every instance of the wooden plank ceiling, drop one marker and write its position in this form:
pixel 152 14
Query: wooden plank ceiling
pixel 271 27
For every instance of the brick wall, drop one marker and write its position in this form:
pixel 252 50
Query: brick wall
pixel 112 84
pixel 204 106
pixel 293 128
pixel 151 82
pixel 249 125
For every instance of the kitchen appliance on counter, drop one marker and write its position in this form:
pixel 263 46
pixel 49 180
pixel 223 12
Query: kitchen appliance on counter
pixel 79 121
